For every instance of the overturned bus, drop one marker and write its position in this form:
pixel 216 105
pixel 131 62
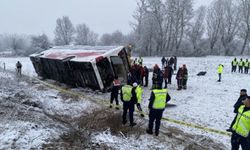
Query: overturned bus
pixel 93 67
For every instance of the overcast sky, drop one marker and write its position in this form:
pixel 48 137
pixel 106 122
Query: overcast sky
pixel 39 16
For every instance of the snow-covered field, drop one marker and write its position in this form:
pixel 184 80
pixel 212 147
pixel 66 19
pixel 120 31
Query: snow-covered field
pixel 206 102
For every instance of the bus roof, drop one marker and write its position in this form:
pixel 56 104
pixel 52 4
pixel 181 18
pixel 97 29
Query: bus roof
pixel 79 53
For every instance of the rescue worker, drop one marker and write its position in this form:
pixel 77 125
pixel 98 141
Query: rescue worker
pixel 139 92
pixel 163 61
pixel 185 77
pixel 128 97
pixel 115 92
pixel 241 127
pixel 220 70
pixel 146 73
pixel 19 68
pixel 140 61
pixel 179 78
pixel 157 103
pixel 175 63
pixel 246 66
pixel 241 64
pixel 243 96
pixel 234 65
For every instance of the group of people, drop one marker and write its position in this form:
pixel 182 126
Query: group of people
pixel 241 64
pixel 131 96
pixel 172 61
pixel 240 126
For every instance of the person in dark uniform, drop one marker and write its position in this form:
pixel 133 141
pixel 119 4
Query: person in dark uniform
pixel 175 63
pixel 234 65
pixel 246 66
pixel 146 74
pixel 163 61
pixel 243 96
pixel 157 103
pixel 179 78
pixel 116 85
pixel 129 99
pixel 185 76
pixel 241 128
pixel 19 68
pixel 241 64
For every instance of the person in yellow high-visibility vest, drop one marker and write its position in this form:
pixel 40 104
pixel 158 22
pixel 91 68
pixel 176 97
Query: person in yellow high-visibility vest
pixel 234 65
pixel 220 70
pixel 246 66
pixel 129 99
pixel 139 92
pixel 241 64
pixel 241 127
pixel 157 103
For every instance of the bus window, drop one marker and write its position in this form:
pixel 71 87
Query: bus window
pixel 106 72
pixel 119 68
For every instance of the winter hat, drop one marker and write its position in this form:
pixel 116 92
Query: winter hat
pixel 243 90
pixel 135 84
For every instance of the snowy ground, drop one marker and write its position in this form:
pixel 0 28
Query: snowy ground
pixel 206 102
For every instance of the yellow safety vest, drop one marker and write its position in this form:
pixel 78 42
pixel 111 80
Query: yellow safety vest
pixel 220 69
pixel 241 63
pixel 160 98
pixel 139 92
pixel 127 93
pixel 235 63
pixel 242 123
pixel 246 64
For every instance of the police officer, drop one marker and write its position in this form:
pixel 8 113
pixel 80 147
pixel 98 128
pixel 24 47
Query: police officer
pixel 243 96
pixel 220 70
pixel 234 65
pixel 19 68
pixel 157 103
pixel 241 64
pixel 246 66
pixel 115 92
pixel 241 127
pixel 140 61
pixel 128 97
pixel 139 92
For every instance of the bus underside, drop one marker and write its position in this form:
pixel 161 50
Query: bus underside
pixel 97 76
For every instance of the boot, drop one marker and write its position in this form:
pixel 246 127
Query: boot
pixel 132 124
pixel 149 131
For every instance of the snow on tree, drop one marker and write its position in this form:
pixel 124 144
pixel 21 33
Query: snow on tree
pixel 84 36
pixel 64 31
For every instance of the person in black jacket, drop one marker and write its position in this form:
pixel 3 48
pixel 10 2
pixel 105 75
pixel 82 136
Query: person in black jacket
pixel 175 63
pixel 243 96
pixel 129 104
pixel 146 73
pixel 185 77
pixel 156 108
pixel 116 85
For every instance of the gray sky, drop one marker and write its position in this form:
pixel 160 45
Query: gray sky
pixel 39 16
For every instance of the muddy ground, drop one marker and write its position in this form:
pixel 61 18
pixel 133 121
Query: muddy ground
pixel 33 116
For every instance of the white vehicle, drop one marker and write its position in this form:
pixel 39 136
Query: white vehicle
pixel 87 66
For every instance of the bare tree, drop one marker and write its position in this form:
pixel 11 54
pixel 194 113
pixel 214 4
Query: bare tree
pixel 17 43
pixel 117 38
pixel 229 24
pixel 214 21
pixel 197 27
pixel 245 23
pixel 106 39
pixel 84 36
pixel 64 31
pixel 40 42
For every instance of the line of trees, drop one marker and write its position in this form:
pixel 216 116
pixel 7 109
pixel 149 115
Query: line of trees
pixel 173 27
pixel 160 27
